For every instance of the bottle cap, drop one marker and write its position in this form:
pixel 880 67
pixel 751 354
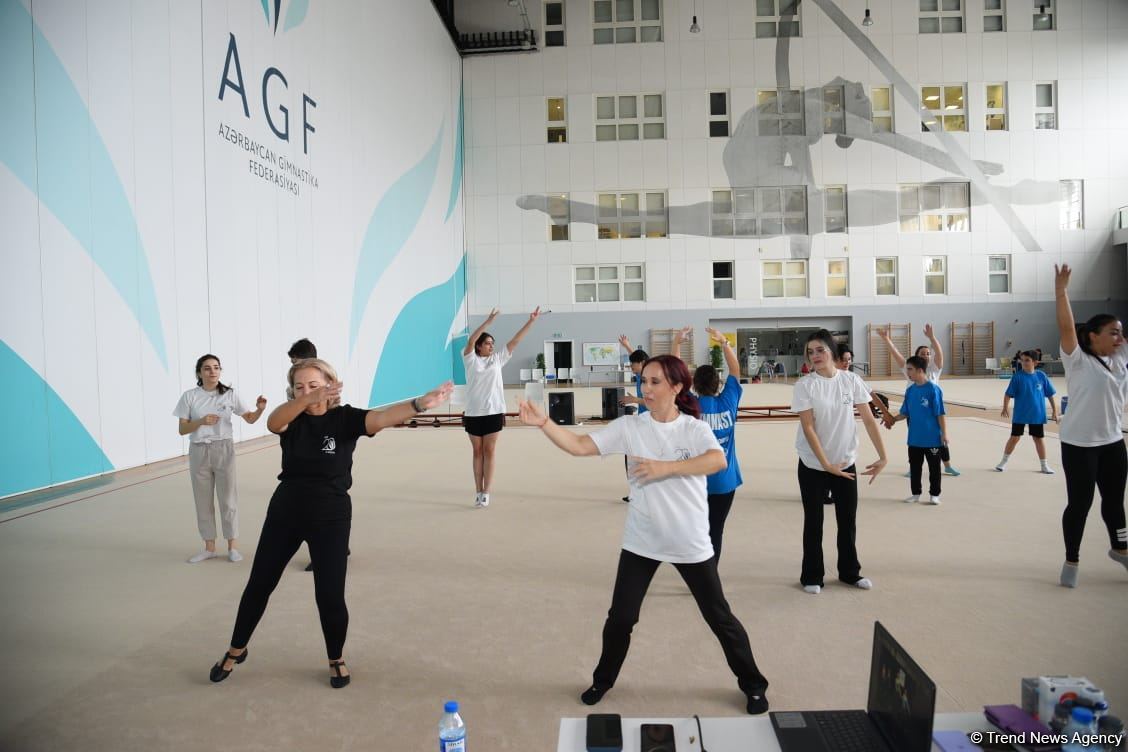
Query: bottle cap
pixel 1082 715
pixel 451 706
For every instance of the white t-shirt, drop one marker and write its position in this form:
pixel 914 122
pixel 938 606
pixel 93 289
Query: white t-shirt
pixel 930 371
pixel 196 403
pixel 485 390
pixel 833 401
pixel 667 520
pixel 1096 397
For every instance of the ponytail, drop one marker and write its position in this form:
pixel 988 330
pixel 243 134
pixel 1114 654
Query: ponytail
pixel 688 404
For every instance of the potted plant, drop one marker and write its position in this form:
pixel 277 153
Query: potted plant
pixel 716 357
pixel 540 361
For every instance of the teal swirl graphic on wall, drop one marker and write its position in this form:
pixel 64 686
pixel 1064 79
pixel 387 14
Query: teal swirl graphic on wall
pixel 41 441
pixel 295 13
pixel 50 143
pixel 392 222
pixel 456 177
pixel 418 338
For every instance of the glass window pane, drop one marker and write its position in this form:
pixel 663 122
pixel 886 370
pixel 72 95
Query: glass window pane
pixel 880 98
pixel 837 268
pixel 789 28
pixel 585 293
pixel 791 127
pixel 995 96
pixel 795 226
pixel 932 223
pixel 835 200
pixel 883 125
pixel 624 34
pixel 795 200
pixel 558 232
pixel 1044 95
pixel 996 122
pixel 773 288
pixel 585 273
pixel 951 24
pixel 792 268
pixel 608 230
pixel 656 227
pixel 743 201
pixel 933 264
pixel 795 288
pixel 603 36
pixel 608 205
pixel 886 286
pixel 718 128
pixel 955 195
pixel 910 224
pixel 927 5
pixel 997 263
pixel 929 25
pixel 957 223
pixel 632 272
pixel 628 133
pixel 773 268
pixel 654 130
pixel 557 135
pixel 832 99
pixel 605 108
pixel 655 203
pixel 746 227
pixel 999 283
pixel 650 34
pixel 624 10
pixel 628 204
pixel 766 100
pixel 771 226
pixel 1045 121
pixel 788 7
pixel 836 287
pixel 633 291
pixel 955 123
pixel 628 107
pixel 722 228
pixel 608 292
pixel 722 269
pixel 605 132
pixel 992 23
pixel 790 101
pixel 718 103
pixel 554 14
pixel 558 206
pixel 886 266
pixel 722 202
pixel 608 272
pixel 652 105
pixel 993 4
pixel 930 97
pixel 930 198
pixel 765 7
pixel 953 97
pixel 555 110
pixel 602 11
pixel 632 229
pixel 835 224
pixel 650 10
pixel 722 288
pixel 765 29
pixel 769 200
pixel 934 285
pixel 1043 22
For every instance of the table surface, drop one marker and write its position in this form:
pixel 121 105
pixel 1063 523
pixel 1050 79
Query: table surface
pixel 737 734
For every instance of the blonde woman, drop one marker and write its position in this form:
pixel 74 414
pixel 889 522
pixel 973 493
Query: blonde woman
pixel 312 504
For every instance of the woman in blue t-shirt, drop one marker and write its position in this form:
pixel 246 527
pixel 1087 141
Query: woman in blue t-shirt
pixel 1030 388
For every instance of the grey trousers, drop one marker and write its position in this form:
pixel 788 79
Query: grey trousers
pixel 212 470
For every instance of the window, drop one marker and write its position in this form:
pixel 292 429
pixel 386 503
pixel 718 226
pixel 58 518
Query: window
pixel 608 284
pixel 946 105
pixel 557 121
pixel 935 275
pixel 885 274
pixel 1044 15
pixel 622 216
pixel 834 209
pixel 996 107
pixel 722 280
pixel 785 279
pixel 881 100
pixel 935 207
pixel 994 15
pixel 777 18
pixel 757 212
pixel 626 21
pixel 554 23
pixel 834 116
pixel 780 112
pixel 940 16
pixel 718 114
pixel 1072 195
pixel 837 278
pixel 558 213
pixel 1045 105
pixel 619 117
pixel 998 273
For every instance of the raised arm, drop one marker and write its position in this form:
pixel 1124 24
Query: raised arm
pixel 1066 327
pixel 377 420
pixel 285 413
pixel 478 332
pixel 574 444
pixel 625 343
pixel 511 345
pixel 731 361
pixel 894 353
pixel 937 350
pixel 254 415
pixel 680 336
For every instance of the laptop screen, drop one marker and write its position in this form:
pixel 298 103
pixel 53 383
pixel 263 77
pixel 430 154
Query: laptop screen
pixel 902 699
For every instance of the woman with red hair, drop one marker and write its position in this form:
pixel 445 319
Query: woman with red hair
pixel 669 453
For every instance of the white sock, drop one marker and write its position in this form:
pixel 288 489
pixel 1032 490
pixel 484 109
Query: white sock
pixel 812 589
pixel 1046 468
pixel 865 584
pixel 234 555
pixel 1002 462
pixel 1069 575
pixel 202 556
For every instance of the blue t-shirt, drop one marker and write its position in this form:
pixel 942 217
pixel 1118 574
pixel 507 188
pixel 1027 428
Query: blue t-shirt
pixel 638 393
pixel 720 413
pixel 1029 392
pixel 923 404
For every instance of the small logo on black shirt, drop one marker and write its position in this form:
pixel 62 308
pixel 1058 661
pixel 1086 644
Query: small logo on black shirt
pixel 329 445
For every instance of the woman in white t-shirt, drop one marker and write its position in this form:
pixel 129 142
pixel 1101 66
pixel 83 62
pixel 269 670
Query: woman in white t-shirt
pixel 1093 455
pixel 484 416
pixel 669 452
pixel 205 417
pixel 827 441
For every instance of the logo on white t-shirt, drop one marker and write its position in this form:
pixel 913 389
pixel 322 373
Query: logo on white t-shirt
pixel 329 445
pixel 682 454
pixel 846 397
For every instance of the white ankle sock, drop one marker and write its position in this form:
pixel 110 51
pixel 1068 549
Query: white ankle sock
pixel 812 589
pixel 1069 574
pixel 1002 463
pixel 202 556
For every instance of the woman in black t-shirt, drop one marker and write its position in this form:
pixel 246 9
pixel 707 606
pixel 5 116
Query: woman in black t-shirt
pixel 312 503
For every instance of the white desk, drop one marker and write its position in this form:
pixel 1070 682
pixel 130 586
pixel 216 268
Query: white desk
pixel 737 734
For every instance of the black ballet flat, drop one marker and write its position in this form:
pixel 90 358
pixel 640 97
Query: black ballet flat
pixel 218 673
pixel 340 680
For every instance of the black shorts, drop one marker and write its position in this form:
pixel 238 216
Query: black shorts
pixel 483 425
pixel 1037 430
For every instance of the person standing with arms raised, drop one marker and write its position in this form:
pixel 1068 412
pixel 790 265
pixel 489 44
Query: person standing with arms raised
pixel 484 416
pixel 1093 456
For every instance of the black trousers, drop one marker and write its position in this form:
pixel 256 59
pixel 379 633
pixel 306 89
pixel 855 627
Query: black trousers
pixel 322 522
pixel 631 582
pixel 719 506
pixel 814 486
pixel 1105 468
pixel 917 458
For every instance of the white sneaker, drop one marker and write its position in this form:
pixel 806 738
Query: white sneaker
pixel 1000 467
pixel 485 501
pixel 1047 470
pixel 812 589
pixel 478 500
pixel 202 556
pixel 913 499
pixel 865 583
pixel 234 555
pixel 933 500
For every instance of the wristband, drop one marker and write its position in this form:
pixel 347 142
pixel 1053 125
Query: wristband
pixel 415 405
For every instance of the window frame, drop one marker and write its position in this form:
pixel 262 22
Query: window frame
pixel 995 111
pixel 844 276
pixel 559 126
pixel 783 277
pixel 943 112
pixel 942 274
pixel 876 113
pixel 740 220
pixel 608 228
pixel 777 116
pixel 947 215
pixel 560 27
pixel 833 120
pixel 620 279
pixel 1071 211
pixel 1050 11
pixel 640 121
pixel 828 213
pixel 999 13
pixel 712 117
pixel 731 279
pixel 878 275
pixel 1050 110
pixel 637 23
pixel 1005 273
pixel 940 15
pixel 775 20
pixel 556 231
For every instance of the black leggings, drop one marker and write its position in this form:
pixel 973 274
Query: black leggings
pixel 322 523
pixel 814 487
pixel 917 458
pixel 719 506
pixel 1106 468
pixel 631 582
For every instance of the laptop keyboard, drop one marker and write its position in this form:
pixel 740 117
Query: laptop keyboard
pixel 847 731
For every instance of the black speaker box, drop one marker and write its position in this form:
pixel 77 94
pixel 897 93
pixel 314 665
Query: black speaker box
pixel 562 408
pixel 611 407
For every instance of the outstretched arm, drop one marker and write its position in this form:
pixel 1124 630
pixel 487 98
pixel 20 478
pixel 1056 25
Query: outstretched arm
pixel 478 332
pixel 511 345
pixel 680 336
pixel 285 413
pixel 1066 328
pixel 572 443
pixel 937 351
pixel 626 343
pixel 731 361
pixel 894 353
pixel 377 420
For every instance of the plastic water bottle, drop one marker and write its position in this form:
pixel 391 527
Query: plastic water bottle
pixel 452 731
pixel 1080 723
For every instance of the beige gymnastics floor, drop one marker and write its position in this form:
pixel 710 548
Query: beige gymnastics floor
pixel 106 635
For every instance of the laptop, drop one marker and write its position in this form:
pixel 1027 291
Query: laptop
pixel 897 718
